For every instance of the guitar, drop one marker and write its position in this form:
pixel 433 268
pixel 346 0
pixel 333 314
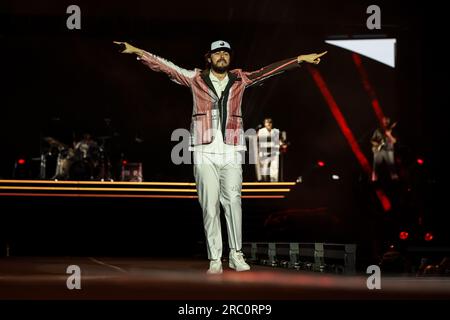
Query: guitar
pixel 377 146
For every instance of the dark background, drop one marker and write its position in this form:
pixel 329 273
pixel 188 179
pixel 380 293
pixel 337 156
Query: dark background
pixel 62 83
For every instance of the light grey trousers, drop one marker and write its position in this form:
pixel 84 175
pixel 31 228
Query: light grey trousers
pixel 388 157
pixel 219 181
pixel 269 168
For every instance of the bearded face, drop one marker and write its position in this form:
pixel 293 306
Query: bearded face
pixel 220 61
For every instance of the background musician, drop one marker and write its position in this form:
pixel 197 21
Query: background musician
pixel 383 149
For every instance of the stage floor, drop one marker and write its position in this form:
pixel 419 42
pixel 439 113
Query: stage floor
pixel 185 279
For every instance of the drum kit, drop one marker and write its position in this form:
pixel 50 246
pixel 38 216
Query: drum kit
pixel 84 160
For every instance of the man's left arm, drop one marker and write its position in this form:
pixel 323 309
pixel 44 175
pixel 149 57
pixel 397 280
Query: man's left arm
pixel 391 138
pixel 279 67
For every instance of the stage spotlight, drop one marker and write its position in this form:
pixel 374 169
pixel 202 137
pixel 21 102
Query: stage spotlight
pixel 403 235
pixel 420 161
pixel 428 236
pixel 21 170
pixel 335 177
pixel 124 162
pixel 321 163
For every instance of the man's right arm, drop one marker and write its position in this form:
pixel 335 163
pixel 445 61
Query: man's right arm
pixel 376 140
pixel 158 64
pixel 376 136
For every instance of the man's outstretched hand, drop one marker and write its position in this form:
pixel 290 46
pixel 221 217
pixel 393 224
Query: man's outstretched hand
pixel 129 48
pixel 311 58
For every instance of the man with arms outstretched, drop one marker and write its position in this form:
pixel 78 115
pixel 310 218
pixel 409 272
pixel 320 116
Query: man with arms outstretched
pixel 217 137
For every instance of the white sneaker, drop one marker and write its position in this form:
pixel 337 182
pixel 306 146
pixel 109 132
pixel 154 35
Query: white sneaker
pixel 237 261
pixel 215 267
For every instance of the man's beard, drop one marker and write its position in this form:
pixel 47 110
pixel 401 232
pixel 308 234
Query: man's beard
pixel 219 69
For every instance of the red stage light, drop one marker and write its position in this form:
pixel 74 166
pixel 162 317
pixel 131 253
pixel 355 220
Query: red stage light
pixel 428 236
pixel 124 162
pixel 348 134
pixel 420 161
pixel 404 235
pixel 321 163
pixel 21 161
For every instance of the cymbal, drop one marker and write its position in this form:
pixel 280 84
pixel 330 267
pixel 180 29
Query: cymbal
pixel 53 142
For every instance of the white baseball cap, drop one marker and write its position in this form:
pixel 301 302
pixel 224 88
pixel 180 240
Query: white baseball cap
pixel 220 45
